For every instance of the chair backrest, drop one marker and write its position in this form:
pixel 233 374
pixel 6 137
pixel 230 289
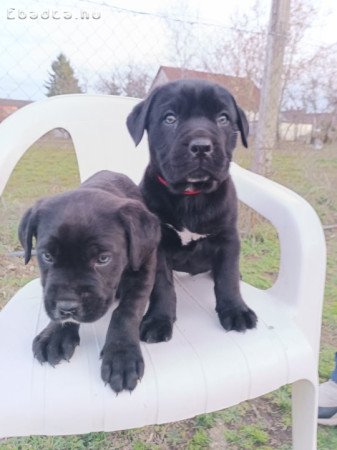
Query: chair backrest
pixel 96 123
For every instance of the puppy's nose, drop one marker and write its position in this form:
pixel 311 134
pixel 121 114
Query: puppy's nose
pixel 200 146
pixel 67 308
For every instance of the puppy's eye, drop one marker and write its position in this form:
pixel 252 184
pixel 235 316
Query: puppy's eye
pixel 222 119
pixel 170 119
pixel 103 260
pixel 47 257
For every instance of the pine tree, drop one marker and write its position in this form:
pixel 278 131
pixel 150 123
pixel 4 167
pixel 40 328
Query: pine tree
pixel 62 80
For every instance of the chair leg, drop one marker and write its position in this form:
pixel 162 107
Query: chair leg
pixel 304 415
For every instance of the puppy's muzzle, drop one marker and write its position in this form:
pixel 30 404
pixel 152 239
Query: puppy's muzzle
pixel 200 147
pixel 67 309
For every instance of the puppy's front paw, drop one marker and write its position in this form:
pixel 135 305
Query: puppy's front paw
pixel 156 329
pixel 240 318
pixel 56 342
pixel 122 367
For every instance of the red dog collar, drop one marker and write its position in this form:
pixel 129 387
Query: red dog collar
pixel 189 191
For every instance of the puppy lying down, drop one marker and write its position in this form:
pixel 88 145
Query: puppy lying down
pixel 90 242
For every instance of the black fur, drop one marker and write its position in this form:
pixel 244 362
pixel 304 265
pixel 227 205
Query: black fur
pixel 89 242
pixel 192 129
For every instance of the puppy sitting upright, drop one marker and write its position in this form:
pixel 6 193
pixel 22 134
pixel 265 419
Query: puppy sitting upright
pixel 90 242
pixel 192 129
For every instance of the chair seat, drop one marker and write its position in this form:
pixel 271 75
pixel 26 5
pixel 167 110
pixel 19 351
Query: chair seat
pixel 202 369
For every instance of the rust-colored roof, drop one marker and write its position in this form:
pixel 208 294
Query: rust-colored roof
pixel 15 103
pixel 9 106
pixel 243 89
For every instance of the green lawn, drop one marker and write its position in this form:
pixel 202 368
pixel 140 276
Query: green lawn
pixel 264 423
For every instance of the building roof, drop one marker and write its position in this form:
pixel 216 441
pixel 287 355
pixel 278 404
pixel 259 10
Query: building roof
pixel 243 89
pixel 15 103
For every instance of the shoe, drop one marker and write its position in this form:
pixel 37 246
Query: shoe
pixel 327 403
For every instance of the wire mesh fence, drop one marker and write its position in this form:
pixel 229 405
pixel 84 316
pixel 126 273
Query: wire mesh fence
pixel 117 49
pixel 101 41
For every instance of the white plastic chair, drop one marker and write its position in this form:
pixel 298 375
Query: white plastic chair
pixel 203 368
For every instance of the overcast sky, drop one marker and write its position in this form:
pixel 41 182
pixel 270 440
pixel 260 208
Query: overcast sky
pixel 29 41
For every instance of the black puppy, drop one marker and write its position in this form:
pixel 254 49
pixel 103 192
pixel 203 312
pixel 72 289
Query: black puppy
pixel 192 130
pixel 90 242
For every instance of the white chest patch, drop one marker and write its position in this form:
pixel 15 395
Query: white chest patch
pixel 186 236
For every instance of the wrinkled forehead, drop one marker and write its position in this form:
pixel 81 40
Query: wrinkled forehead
pixel 75 224
pixel 193 98
pixel 72 236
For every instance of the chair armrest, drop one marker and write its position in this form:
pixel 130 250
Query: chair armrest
pixel 100 140
pixel 301 279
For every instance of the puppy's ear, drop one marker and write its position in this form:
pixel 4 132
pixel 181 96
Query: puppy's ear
pixel 243 125
pixel 142 231
pixel 137 119
pixel 27 230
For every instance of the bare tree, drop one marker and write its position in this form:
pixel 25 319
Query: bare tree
pixel 330 90
pixel 183 42
pixel 302 16
pixel 132 81
pixel 239 49
pixel 110 85
pixel 319 92
pixel 137 82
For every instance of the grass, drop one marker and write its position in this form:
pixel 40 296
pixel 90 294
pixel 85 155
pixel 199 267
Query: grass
pixel 247 437
pixel 46 169
pixel 265 423
pixel 260 256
